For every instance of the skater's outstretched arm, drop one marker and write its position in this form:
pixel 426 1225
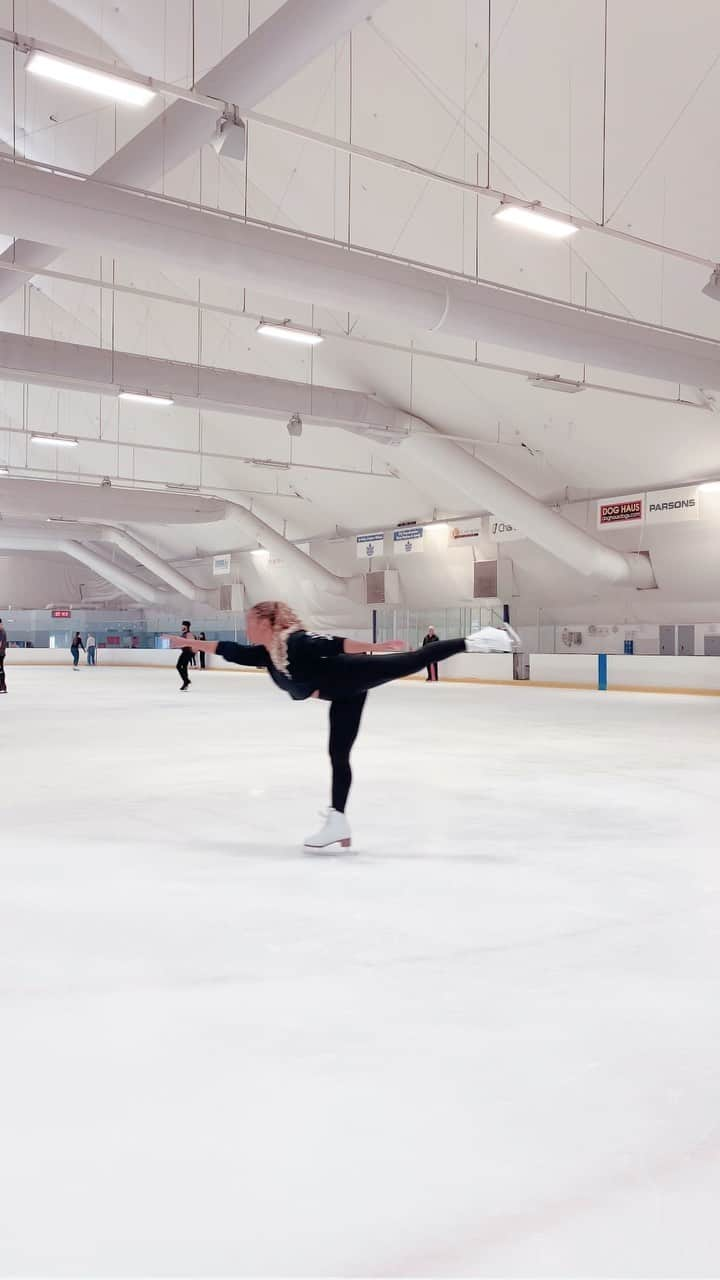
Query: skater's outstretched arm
pixel 246 655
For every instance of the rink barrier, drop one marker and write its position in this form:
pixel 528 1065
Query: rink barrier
pixel 636 673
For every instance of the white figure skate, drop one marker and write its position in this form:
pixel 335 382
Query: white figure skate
pixel 335 830
pixel 492 640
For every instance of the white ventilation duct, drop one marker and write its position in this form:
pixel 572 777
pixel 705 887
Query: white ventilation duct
pixel 80 214
pixel 290 38
pixel 483 486
pixel 138 551
pixel 87 368
pixel 308 571
pixel 45 362
pixel 66 500
pixel 127 583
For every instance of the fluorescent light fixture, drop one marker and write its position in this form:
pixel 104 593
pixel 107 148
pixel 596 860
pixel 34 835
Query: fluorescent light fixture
pixel 711 486
pixel 532 218
pixel 117 88
pixel 290 332
pixel 145 397
pixel 555 383
pixel 184 488
pixel 59 442
pixel 4 471
pixel 270 464
pixel 261 553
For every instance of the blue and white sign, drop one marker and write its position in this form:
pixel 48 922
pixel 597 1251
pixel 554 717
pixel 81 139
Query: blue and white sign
pixel 221 564
pixel 369 545
pixel 408 541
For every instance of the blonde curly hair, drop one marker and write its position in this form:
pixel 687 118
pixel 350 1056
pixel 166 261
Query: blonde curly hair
pixel 283 621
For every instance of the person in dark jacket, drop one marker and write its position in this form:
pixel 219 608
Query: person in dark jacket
pixel 3 651
pixel 202 636
pixel 183 661
pixel 431 638
pixel 341 672
pixel 75 647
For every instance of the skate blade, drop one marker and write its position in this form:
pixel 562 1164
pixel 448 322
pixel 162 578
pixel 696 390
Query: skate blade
pixel 334 847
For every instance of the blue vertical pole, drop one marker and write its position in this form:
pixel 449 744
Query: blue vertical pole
pixel 602 671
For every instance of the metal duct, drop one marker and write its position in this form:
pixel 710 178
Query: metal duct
pixel 127 583
pixel 485 487
pixel 66 500
pixel 177 581
pixel 307 570
pixel 87 368
pixel 79 214
pixel 292 37
pixel 68 365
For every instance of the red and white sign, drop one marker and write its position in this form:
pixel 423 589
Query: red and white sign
pixel 62 613
pixel 612 512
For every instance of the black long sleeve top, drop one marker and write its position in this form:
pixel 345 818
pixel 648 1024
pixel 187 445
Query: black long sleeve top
pixel 306 654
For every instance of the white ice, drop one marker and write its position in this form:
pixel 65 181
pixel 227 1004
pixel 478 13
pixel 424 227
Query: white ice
pixel 484 1044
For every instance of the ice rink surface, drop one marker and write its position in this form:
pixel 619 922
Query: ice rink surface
pixel 484 1044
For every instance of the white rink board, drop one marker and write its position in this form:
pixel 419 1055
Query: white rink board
pixel 565 668
pixel 663 673
pixel 485 1044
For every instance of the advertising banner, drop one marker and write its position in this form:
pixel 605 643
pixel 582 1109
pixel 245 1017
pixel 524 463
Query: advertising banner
pixel 368 545
pixel 612 512
pixel 673 505
pixel 464 531
pixel 407 541
pixel 501 531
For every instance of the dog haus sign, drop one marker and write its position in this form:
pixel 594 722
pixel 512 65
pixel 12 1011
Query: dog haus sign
pixel 665 506
pixel 614 511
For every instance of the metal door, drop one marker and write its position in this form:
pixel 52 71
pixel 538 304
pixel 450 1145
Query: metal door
pixel 686 641
pixel 667 641
pixel 712 646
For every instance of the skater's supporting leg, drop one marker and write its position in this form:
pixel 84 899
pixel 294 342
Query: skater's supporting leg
pixel 345 716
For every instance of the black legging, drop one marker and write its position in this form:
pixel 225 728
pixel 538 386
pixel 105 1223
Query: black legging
pixel 349 677
pixel 352 673
pixel 345 716
pixel 181 666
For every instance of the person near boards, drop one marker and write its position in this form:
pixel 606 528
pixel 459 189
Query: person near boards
pixel 3 651
pixel 431 638
pixel 75 647
pixel 202 636
pixel 185 656
pixel 91 645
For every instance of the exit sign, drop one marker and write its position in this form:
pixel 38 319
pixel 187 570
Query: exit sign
pixel 62 613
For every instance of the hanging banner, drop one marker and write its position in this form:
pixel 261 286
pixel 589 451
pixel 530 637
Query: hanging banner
pixel 501 531
pixel 463 532
pixel 368 545
pixel 407 541
pixel 621 511
pixel 221 564
pixel 673 505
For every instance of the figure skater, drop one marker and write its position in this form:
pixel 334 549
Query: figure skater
pixel 339 671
